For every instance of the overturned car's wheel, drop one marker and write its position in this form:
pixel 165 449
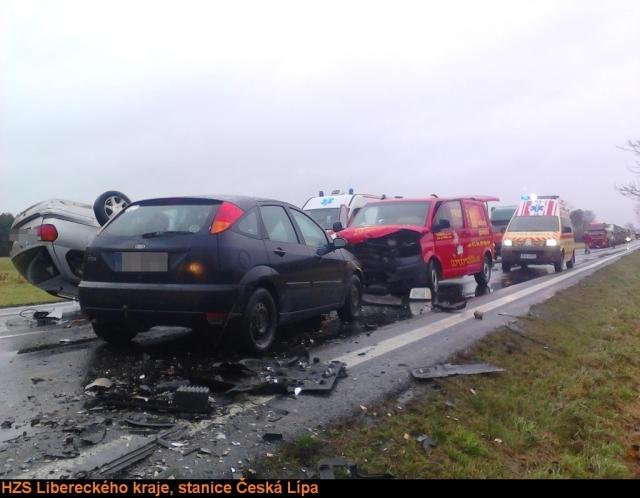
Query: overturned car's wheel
pixel 259 322
pixel 113 332
pixel 352 302
pixel 109 204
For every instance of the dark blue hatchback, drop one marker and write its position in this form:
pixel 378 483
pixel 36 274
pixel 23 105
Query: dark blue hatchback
pixel 198 262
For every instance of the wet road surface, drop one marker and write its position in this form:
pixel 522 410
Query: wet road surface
pixel 45 368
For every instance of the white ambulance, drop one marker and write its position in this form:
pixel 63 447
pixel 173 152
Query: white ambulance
pixel 328 210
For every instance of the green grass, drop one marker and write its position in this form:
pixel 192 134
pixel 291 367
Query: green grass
pixel 570 410
pixel 16 291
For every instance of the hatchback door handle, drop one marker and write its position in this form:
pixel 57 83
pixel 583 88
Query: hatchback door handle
pixel 280 252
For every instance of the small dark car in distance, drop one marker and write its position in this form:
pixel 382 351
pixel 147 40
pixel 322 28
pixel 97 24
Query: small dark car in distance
pixel 226 261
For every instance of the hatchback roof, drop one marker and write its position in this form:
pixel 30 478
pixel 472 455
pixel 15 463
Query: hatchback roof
pixel 242 201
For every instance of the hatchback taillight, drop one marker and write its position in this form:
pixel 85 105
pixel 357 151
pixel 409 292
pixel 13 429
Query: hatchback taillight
pixel 228 213
pixel 47 233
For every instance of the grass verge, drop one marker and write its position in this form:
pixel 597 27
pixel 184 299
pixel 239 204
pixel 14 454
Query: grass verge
pixel 568 405
pixel 16 291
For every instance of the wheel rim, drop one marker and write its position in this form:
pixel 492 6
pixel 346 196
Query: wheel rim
pixel 260 324
pixel 113 205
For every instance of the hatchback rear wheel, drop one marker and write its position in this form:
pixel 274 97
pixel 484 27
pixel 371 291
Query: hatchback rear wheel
pixel 572 262
pixel 260 321
pixel 559 266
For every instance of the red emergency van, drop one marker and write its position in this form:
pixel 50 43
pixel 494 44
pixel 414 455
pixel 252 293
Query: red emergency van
pixel 407 243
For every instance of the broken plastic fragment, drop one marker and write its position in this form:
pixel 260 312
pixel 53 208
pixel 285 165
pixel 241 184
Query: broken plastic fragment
pixel 101 382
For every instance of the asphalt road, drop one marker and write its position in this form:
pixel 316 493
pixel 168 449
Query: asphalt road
pixel 45 369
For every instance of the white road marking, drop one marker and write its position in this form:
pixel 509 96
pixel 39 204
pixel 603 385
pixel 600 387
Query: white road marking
pixel 353 358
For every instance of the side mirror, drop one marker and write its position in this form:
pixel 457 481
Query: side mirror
pixel 336 243
pixel 339 243
pixel 337 226
pixel 442 225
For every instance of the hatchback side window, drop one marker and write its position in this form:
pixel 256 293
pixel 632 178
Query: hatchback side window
pixel 452 212
pixel 248 225
pixel 278 224
pixel 312 233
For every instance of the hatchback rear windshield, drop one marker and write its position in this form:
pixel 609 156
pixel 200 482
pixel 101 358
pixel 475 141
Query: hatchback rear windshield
pixel 534 224
pixel 392 213
pixel 152 219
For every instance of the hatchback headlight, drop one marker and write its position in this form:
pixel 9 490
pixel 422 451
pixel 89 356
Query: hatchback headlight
pixel 507 242
pixel 552 242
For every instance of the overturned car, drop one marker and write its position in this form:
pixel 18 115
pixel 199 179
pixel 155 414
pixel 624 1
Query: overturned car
pixel 49 240
pixel 407 243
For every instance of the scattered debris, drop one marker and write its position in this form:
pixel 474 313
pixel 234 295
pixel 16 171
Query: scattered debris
pixel 101 382
pixel 7 424
pixel 497 440
pixel 277 414
pixel 449 307
pixel 448 370
pixel 478 315
pixel 427 443
pixel 93 433
pixel 272 437
pixel 192 398
pixel 473 391
pixel 36 380
pixel 328 466
pixel 149 422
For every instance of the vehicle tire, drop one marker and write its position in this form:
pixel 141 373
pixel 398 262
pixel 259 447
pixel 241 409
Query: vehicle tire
pixel 259 322
pixel 506 267
pixel 353 300
pixel 483 277
pixel 571 263
pixel 108 204
pixel 113 332
pixel 559 266
pixel 433 278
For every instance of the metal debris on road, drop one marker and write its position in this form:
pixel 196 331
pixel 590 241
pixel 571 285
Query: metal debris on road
pixel 101 382
pixel 192 398
pixel 272 437
pixel 328 466
pixel 448 370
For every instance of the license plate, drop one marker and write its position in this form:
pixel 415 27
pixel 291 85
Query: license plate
pixel 528 256
pixel 142 261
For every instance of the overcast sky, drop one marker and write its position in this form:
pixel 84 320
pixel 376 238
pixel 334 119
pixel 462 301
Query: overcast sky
pixel 282 99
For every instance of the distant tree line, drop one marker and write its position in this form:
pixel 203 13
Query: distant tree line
pixel 6 220
pixel 632 188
